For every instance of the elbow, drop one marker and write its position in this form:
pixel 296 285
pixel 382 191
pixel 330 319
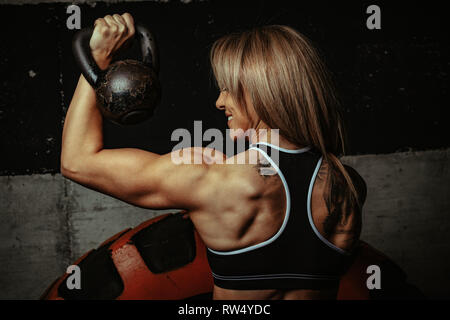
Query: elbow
pixel 75 167
pixel 69 168
pixel 66 172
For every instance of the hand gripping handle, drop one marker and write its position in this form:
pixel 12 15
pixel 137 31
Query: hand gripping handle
pixel 87 64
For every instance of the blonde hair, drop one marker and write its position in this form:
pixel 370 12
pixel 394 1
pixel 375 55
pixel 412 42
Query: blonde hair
pixel 290 90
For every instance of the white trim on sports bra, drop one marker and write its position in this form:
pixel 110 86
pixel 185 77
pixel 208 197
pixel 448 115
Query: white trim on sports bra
pixel 311 221
pixel 280 148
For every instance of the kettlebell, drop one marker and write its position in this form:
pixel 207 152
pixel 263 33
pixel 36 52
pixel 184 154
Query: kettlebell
pixel 129 90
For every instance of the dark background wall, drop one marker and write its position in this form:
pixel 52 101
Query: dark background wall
pixel 393 82
pixel 393 85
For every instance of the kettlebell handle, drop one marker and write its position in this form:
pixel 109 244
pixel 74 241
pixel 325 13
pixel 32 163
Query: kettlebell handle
pixel 87 64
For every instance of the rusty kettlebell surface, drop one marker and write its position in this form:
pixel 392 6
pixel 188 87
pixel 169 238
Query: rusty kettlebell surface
pixel 129 90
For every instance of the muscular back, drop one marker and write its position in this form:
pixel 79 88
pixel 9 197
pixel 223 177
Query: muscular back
pixel 249 208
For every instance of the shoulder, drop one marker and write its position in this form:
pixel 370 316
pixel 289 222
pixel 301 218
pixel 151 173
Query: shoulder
pixel 237 181
pixel 197 155
pixel 219 179
pixel 238 176
pixel 233 195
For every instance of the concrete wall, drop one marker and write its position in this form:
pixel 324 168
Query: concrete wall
pixel 46 221
pixel 406 213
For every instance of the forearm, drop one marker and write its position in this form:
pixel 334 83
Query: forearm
pixel 82 133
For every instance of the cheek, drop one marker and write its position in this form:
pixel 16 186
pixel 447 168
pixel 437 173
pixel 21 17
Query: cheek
pixel 239 125
pixel 243 122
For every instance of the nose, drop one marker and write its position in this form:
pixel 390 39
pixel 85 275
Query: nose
pixel 220 102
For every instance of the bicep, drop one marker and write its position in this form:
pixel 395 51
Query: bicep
pixel 142 178
pixel 120 173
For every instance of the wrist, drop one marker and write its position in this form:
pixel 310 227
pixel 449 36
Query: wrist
pixel 101 59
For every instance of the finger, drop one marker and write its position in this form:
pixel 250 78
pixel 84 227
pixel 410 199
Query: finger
pixel 119 19
pixel 112 23
pixel 130 23
pixel 101 26
pixel 123 29
pixel 100 22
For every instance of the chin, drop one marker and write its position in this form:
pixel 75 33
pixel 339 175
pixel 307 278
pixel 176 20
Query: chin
pixel 236 134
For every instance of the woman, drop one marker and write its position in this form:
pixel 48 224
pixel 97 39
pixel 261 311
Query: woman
pixel 284 235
